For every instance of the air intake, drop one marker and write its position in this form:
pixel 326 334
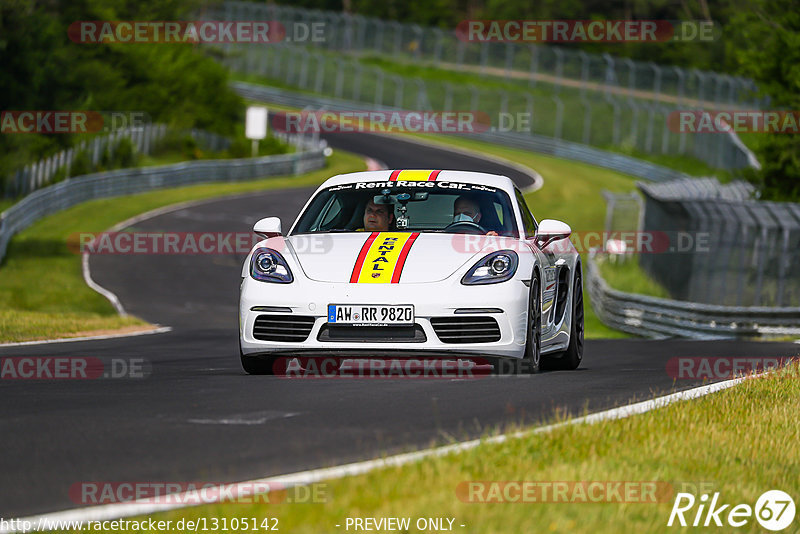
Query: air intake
pixel 468 329
pixel 286 328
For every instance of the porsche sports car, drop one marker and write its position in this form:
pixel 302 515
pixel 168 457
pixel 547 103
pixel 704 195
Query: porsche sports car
pixel 393 264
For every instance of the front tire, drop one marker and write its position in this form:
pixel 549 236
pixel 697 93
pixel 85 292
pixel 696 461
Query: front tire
pixel 532 360
pixel 572 357
pixel 254 365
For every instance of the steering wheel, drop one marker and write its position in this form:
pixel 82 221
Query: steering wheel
pixel 465 227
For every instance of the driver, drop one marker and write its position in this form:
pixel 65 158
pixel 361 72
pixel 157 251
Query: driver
pixel 467 210
pixel 377 217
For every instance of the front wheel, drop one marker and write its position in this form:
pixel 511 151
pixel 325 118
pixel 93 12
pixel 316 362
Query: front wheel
pixel 533 344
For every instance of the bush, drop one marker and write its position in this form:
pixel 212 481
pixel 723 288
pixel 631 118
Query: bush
pixel 177 142
pixel 241 147
pixel 124 155
pixel 81 164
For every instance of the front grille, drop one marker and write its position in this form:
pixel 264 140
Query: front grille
pixel 288 328
pixel 469 329
pixel 373 334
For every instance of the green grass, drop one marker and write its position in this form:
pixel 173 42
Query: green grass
pixel 6 203
pixel 740 442
pixel 628 276
pixel 42 292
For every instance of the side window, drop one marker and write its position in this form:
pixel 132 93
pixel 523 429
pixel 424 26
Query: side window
pixel 332 211
pixel 527 219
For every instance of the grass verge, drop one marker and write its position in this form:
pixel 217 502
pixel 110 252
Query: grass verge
pixel 695 446
pixel 42 292
pixel 628 276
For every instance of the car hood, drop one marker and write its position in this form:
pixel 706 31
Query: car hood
pixel 389 257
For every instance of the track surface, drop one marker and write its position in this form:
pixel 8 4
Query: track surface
pixel 198 417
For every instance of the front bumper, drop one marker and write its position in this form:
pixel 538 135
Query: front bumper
pixel 435 299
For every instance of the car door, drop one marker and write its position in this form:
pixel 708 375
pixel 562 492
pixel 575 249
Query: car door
pixel 548 267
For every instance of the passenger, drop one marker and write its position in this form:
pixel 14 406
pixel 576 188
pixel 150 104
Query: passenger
pixel 467 210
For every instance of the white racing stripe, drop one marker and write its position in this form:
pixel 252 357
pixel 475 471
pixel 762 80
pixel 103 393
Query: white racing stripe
pixel 118 510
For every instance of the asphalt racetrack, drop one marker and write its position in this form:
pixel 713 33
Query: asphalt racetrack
pixel 198 417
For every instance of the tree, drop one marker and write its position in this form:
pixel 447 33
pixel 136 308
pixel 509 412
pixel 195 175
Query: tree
pixel 764 39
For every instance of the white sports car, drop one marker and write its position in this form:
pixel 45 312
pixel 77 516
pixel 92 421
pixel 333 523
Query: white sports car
pixel 394 264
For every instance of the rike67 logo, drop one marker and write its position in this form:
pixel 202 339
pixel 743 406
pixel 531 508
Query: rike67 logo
pixel 774 510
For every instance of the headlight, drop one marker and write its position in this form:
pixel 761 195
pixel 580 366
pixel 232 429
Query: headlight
pixel 268 265
pixel 496 267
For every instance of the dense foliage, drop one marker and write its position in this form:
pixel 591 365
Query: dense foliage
pixel 43 70
pixel 759 39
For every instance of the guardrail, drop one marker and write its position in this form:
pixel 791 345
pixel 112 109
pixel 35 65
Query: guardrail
pixel 70 192
pixel 658 318
pixel 143 138
pixel 537 143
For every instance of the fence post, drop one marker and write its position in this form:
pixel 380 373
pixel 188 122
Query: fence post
pixel 339 77
pixel 510 49
pixel 378 86
pixel 397 28
pixel 437 50
pixel 656 79
pixel 559 122
pixel 534 67
pixel 559 67
pixel 320 79
pixel 358 72
pixel 398 92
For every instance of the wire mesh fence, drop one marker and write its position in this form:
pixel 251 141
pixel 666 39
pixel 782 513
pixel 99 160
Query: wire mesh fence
pixel 738 251
pixel 627 125
pixel 534 64
pixel 537 143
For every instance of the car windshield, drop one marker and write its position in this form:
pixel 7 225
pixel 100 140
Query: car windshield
pixel 448 207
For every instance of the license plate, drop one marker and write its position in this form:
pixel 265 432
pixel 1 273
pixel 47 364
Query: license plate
pixel 371 314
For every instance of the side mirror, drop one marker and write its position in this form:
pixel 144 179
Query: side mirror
pixel 551 230
pixel 268 227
